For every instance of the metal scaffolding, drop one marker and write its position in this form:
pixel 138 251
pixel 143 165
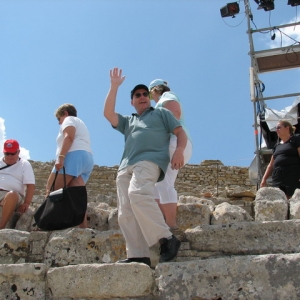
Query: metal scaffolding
pixel 264 61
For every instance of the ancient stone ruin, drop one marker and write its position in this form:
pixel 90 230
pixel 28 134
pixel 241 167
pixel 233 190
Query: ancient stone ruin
pixel 237 243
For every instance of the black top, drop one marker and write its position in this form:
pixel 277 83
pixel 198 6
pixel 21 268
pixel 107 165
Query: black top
pixel 287 154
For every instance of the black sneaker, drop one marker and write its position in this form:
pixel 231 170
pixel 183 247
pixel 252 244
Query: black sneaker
pixel 142 260
pixel 168 248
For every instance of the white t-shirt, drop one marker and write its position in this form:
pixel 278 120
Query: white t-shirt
pixel 15 177
pixel 170 96
pixel 82 137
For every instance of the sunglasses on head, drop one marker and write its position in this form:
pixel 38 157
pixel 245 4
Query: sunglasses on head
pixel 138 95
pixel 8 153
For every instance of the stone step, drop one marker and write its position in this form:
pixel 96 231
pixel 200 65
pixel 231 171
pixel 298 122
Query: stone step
pixel 85 246
pixel 248 260
pixel 267 277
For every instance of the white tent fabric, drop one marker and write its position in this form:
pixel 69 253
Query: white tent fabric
pixel 289 113
pixel 272 116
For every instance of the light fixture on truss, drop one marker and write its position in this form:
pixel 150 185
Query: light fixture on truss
pixel 265 4
pixel 293 2
pixel 230 9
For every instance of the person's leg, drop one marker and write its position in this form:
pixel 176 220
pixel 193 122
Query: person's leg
pixel 167 194
pixel 59 182
pixel 8 204
pixel 136 245
pixel 169 211
pixel 78 168
pixel 147 212
pixel 79 182
pixel 145 209
pixel 168 197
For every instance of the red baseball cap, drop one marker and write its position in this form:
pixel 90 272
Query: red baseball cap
pixel 11 146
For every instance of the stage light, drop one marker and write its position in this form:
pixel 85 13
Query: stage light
pixel 265 4
pixel 294 2
pixel 230 9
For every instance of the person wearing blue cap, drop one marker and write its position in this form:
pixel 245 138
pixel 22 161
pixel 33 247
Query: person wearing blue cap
pixel 165 193
pixel 144 162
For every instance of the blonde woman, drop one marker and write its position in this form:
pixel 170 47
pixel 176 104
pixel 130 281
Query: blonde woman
pixel 165 193
pixel 284 165
pixel 73 151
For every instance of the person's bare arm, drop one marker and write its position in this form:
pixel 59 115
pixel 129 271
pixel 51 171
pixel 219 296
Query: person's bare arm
pixel 174 107
pixel 69 135
pixel 268 173
pixel 116 80
pixel 30 188
pixel 49 183
pixel 177 160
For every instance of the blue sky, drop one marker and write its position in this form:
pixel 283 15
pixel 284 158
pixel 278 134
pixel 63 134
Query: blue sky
pixel 55 52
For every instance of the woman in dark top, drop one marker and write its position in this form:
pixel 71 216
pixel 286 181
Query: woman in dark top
pixel 285 161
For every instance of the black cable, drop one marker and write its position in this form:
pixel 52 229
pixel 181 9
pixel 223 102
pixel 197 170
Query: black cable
pixel 287 35
pixel 234 25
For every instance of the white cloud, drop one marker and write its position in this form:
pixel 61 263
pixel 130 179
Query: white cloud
pixel 286 36
pixel 2 132
pixel 24 153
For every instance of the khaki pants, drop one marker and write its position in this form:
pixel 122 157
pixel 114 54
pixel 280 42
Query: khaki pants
pixel 140 218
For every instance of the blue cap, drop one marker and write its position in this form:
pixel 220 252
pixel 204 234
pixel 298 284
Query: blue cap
pixel 156 82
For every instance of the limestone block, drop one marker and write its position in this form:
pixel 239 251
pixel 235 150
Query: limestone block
pixel 267 277
pixel 295 205
pixel 11 224
pixel 38 241
pixel 239 192
pixel 101 281
pixel 25 220
pixel 191 215
pixel 38 199
pixel 193 200
pixel 97 217
pixel 113 223
pixel 109 199
pixel 270 204
pixel 154 254
pixel 84 246
pixel 14 246
pixel 226 213
pixel 23 281
pixel 247 237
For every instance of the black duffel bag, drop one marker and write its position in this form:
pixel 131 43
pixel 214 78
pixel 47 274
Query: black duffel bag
pixel 63 208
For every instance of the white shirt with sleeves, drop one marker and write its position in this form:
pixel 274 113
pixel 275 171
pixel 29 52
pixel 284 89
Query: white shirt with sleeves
pixel 82 137
pixel 16 176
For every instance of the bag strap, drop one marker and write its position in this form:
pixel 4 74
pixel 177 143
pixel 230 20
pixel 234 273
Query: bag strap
pixel 65 184
pixel 5 167
pixel 9 165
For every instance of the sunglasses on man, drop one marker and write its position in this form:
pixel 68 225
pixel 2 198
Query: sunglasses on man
pixel 10 154
pixel 138 95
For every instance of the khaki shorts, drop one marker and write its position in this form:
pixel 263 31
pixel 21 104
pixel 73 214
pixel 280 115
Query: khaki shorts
pixel 2 195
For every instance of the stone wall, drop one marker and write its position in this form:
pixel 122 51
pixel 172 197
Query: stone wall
pixel 208 177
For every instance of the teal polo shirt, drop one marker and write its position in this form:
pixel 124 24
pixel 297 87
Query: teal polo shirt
pixel 147 137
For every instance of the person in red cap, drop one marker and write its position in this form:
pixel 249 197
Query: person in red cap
pixel 17 182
